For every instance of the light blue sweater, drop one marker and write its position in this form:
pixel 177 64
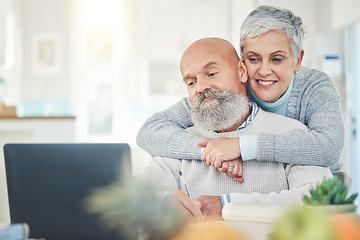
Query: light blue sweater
pixel 314 102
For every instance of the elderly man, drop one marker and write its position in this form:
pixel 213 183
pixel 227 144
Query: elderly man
pixel 215 78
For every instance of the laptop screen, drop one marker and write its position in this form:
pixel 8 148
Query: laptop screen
pixel 48 184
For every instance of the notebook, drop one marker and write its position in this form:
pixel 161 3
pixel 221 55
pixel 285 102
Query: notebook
pixel 48 183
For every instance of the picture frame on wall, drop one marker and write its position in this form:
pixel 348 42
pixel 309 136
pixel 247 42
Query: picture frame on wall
pixel 46 53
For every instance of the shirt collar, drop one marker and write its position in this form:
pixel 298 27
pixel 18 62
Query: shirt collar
pixel 254 111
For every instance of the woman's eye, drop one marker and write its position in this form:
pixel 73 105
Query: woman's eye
pixel 277 59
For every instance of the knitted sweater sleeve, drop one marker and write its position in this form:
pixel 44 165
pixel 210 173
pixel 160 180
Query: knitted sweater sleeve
pixel 316 103
pixel 164 133
pixel 300 179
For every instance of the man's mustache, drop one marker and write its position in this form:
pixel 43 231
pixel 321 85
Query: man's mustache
pixel 212 93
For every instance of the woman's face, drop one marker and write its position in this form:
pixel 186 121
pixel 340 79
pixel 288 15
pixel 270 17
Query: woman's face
pixel 270 64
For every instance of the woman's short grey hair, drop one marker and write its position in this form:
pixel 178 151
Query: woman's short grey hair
pixel 268 18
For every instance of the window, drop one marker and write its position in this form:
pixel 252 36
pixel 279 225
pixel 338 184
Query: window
pixel 352 50
pixel 96 24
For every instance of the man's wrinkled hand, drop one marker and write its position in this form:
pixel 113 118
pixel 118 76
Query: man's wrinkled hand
pixel 190 208
pixel 211 208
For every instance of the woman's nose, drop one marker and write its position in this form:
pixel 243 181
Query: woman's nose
pixel 264 69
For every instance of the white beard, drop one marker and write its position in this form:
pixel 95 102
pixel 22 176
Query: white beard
pixel 221 112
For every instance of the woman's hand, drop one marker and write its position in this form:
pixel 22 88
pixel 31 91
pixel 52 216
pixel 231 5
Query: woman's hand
pixel 220 150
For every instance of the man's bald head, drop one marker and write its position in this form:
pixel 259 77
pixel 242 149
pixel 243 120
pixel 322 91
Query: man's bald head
pixel 212 63
pixel 211 46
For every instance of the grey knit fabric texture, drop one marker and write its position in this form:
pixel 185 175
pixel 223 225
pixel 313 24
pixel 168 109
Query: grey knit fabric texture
pixel 266 182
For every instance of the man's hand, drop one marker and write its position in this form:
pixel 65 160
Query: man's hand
pixel 220 150
pixel 190 207
pixel 211 208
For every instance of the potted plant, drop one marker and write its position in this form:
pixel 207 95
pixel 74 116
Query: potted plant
pixel 320 218
pixel 331 196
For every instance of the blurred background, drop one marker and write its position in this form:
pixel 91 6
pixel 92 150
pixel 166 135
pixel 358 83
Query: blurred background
pixel 95 70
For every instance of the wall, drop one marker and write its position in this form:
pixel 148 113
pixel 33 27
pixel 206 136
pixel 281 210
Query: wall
pixel 38 17
pixel 344 13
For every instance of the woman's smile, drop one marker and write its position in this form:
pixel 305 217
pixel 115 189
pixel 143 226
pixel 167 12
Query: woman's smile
pixel 265 83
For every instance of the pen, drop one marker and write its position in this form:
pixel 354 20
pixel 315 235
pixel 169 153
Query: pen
pixel 184 183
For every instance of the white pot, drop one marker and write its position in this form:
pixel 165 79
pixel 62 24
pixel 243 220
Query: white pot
pixel 336 208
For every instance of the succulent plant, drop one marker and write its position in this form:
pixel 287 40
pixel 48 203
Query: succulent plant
pixel 330 191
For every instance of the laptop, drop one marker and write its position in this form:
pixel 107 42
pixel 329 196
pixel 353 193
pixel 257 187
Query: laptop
pixel 48 184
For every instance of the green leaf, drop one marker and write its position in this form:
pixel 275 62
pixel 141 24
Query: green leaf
pixel 331 196
pixel 351 198
pixel 319 191
pixel 326 200
pixel 314 194
pixel 342 197
pixel 337 199
pixel 307 200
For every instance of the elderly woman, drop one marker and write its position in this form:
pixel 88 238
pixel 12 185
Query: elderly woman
pixel 271 46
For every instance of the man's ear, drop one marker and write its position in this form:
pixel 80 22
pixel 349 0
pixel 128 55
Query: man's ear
pixel 299 60
pixel 242 71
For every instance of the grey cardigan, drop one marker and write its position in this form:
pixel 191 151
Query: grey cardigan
pixel 314 102
pixel 279 183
